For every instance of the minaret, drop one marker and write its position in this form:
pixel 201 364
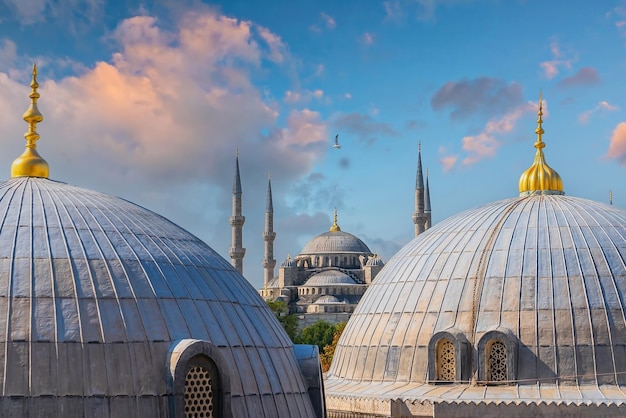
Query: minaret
pixel 268 236
pixel 427 210
pixel 30 163
pixel 236 221
pixel 419 216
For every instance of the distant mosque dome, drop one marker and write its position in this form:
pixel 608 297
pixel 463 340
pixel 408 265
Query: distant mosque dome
pixel 110 309
pixel 334 241
pixel 517 306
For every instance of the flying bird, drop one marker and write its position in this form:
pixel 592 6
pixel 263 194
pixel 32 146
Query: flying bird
pixel 337 142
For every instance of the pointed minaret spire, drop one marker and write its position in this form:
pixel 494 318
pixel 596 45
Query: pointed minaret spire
pixel 610 197
pixel 540 178
pixel 335 227
pixel 427 209
pixel 30 163
pixel 419 216
pixel 268 236
pixel 237 252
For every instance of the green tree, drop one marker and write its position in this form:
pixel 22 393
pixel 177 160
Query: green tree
pixel 287 320
pixel 319 334
pixel 326 357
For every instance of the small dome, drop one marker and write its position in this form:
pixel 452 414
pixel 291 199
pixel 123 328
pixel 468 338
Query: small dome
pixel 374 261
pixel 326 299
pixel 289 262
pixel 330 278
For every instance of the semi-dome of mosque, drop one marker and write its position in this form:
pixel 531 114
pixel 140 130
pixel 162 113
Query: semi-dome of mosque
pixel 330 278
pixel 109 309
pixel 335 241
pixel 515 308
pixel 327 299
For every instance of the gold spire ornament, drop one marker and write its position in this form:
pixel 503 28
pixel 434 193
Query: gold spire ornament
pixel 30 163
pixel 335 226
pixel 540 178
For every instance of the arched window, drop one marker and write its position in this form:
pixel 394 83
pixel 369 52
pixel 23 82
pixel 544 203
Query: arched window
pixel 446 361
pixel 202 390
pixel 313 291
pixel 336 261
pixel 497 361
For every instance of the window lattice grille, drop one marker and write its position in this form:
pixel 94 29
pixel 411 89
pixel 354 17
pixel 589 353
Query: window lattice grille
pixel 199 393
pixel 446 361
pixel 497 362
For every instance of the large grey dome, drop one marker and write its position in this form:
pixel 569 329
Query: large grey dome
pixel 102 302
pixel 543 276
pixel 332 242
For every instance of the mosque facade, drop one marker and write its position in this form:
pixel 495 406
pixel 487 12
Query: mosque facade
pixel 327 279
pixel 515 308
pixel 110 310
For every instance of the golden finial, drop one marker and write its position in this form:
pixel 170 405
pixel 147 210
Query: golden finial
pixel 30 163
pixel 335 227
pixel 540 178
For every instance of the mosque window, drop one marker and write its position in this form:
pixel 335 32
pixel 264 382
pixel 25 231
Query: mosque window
pixel 497 362
pixel 446 361
pixel 200 391
pixel 336 261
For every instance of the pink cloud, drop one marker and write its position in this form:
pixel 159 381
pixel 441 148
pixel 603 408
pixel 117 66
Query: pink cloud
pixel 617 147
pixel 448 162
pixel 330 21
pixel 586 76
pixel 367 38
pixel 486 143
pixel 551 67
pixel 275 44
pixel 602 106
pixel 304 96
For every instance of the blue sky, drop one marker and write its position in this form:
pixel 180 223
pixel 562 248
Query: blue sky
pixel 148 101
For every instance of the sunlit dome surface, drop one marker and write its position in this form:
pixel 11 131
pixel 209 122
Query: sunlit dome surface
pixel 97 293
pixel 547 272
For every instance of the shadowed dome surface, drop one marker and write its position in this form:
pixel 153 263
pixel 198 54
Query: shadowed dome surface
pixel 96 293
pixel 335 242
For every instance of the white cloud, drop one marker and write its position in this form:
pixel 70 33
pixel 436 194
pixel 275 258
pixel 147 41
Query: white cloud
pixel 367 38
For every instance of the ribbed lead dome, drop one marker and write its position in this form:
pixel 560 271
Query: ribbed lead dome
pixel 546 271
pixel 96 294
